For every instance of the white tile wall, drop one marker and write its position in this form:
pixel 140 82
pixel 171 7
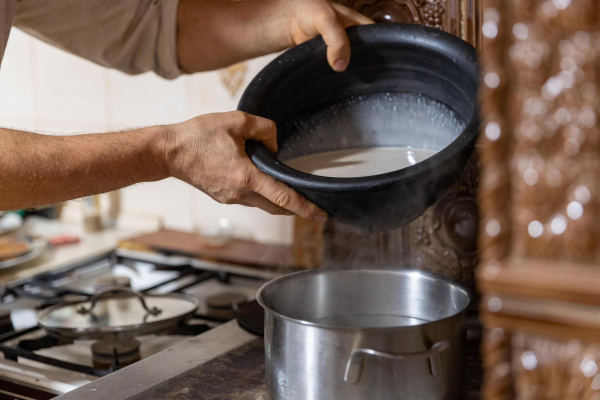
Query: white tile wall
pixel 17 100
pixel 145 100
pixel 45 89
pixel 68 88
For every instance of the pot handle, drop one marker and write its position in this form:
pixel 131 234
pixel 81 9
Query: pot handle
pixel 354 364
pixel 117 289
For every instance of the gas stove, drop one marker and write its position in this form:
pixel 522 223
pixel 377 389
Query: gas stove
pixel 210 356
pixel 35 365
pixel 226 362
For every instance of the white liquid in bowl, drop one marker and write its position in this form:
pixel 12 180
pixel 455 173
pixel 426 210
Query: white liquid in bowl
pixel 361 162
pixel 371 134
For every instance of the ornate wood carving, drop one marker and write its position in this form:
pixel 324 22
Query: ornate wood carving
pixel 444 239
pixel 541 140
pixel 459 17
pixel 496 349
pixel 551 369
pixel 539 189
pixel 495 191
pixel 430 13
pixel 554 168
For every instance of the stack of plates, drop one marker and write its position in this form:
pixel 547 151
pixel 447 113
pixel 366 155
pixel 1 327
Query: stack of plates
pixel 16 250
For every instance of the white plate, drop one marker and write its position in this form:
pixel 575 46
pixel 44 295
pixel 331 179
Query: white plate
pixel 38 246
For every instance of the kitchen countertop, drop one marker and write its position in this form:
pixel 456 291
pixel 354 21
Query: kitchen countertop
pixel 235 251
pixel 165 366
pixel 246 367
pixel 92 244
pixel 224 363
pixel 102 243
pixel 237 375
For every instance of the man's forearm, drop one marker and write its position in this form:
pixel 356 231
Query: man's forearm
pixel 215 33
pixel 37 170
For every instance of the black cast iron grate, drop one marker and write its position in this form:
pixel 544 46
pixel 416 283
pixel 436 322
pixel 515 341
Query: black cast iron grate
pixel 49 295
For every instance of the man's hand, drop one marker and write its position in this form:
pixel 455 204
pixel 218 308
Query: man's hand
pixel 208 152
pixel 310 18
pixel 212 34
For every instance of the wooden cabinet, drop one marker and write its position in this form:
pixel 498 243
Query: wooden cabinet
pixel 539 194
pixel 459 17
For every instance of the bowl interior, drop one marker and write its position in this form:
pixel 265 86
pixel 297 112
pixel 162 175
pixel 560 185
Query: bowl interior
pixel 364 298
pixel 387 119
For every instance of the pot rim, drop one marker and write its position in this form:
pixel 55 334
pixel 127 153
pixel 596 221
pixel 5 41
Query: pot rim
pixel 467 292
pixel 375 34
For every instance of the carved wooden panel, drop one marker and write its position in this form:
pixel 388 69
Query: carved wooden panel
pixel 541 100
pixel 497 353
pixel 444 239
pixel 539 192
pixel 546 368
pixel 555 168
pixel 459 17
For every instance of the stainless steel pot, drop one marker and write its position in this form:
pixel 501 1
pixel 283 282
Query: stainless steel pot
pixel 377 334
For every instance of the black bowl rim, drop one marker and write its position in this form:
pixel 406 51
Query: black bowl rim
pixel 431 38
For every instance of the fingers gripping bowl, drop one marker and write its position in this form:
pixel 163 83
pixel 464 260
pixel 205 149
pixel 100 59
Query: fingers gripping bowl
pixel 387 59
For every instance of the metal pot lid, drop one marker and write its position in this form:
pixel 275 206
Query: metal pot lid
pixel 116 312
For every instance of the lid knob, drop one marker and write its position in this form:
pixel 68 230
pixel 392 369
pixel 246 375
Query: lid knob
pixel 117 289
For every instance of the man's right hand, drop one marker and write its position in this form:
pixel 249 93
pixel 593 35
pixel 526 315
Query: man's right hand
pixel 208 152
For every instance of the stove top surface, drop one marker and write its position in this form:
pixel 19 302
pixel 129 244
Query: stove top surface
pixel 28 352
pixel 237 375
pixel 206 358
pixel 225 363
pixel 240 375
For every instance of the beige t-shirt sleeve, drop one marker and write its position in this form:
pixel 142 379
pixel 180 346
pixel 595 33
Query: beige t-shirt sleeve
pixel 133 36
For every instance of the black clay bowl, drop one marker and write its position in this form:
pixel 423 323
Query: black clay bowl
pixel 386 58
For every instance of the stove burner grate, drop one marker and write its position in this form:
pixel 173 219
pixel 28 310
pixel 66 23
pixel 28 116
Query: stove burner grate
pixel 26 349
pixel 108 354
pixel 53 287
